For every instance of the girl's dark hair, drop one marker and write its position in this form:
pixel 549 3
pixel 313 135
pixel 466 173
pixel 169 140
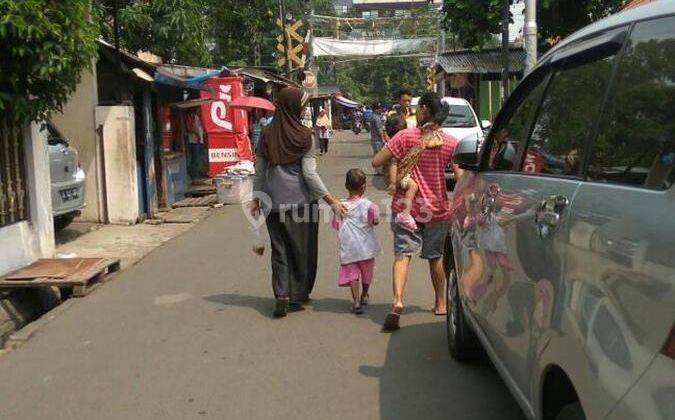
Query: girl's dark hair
pixel 394 124
pixel 355 180
pixel 438 110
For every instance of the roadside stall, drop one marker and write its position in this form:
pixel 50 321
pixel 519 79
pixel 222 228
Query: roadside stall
pixel 343 109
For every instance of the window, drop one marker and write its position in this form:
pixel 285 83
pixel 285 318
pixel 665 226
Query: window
pixel 341 10
pixel 636 144
pixel 399 13
pixel 369 14
pixel 567 117
pixel 13 197
pixel 460 116
pixel 509 135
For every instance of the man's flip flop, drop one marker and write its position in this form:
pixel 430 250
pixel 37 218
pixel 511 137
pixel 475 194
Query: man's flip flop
pixel 391 321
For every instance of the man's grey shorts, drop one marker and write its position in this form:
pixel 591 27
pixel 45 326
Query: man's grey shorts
pixel 429 238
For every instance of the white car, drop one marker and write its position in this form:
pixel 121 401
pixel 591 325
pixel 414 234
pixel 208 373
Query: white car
pixel 462 120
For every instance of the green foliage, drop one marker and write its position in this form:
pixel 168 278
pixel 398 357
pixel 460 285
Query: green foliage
pixel 176 30
pixel 243 31
pixel 473 21
pixel 476 21
pixel 378 80
pixel 562 17
pixel 44 46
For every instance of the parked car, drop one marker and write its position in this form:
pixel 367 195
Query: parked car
pixel 561 256
pixel 462 122
pixel 67 178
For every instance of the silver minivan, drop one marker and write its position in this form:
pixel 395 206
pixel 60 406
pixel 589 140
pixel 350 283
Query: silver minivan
pixel 561 259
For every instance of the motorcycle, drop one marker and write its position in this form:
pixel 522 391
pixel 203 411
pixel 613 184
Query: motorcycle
pixel 356 126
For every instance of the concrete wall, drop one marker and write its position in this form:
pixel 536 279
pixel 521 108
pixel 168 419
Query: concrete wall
pixel 119 157
pixel 77 123
pixel 24 242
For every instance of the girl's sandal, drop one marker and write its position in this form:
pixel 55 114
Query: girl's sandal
pixel 364 299
pixel 391 321
pixel 358 310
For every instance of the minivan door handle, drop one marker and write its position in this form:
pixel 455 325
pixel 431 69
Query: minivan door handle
pixel 549 214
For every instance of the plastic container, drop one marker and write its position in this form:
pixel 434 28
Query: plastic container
pixel 234 189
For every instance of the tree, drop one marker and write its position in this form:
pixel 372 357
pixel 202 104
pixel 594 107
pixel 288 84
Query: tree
pixel 44 46
pixel 476 21
pixel 176 30
pixel 246 32
pixel 378 79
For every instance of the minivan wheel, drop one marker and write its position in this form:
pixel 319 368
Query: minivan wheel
pixel 571 412
pixel 462 342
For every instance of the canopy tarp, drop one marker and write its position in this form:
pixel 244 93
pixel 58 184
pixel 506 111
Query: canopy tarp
pixel 341 100
pixel 322 47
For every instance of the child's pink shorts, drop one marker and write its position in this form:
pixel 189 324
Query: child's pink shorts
pixel 362 270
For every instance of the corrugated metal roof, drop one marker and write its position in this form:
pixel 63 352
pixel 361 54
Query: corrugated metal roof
pixel 480 62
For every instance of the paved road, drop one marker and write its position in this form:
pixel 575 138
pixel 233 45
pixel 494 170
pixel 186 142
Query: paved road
pixel 187 334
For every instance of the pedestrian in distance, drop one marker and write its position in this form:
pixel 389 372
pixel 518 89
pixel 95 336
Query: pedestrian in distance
pixel 430 209
pixel 377 133
pixel 323 127
pixel 358 243
pixel 404 108
pixel 286 176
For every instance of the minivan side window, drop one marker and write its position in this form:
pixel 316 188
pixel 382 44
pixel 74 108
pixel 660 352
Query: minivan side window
pixel 567 118
pixel 509 133
pixel 636 143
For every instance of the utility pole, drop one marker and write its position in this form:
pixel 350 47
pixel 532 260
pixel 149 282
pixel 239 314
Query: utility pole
pixel 505 48
pixel 284 30
pixel 441 50
pixel 530 35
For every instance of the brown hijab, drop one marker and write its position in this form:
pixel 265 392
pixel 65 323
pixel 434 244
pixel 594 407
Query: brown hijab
pixel 286 140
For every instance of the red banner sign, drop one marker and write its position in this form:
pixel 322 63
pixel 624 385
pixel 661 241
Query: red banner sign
pixel 226 128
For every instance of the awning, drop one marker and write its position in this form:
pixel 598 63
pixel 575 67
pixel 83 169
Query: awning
pixel 350 47
pixel 341 100
pixel 165 77
pixel 481 62
pixel 265 76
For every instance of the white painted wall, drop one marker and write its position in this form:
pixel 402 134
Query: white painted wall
pixel 77 123
pixel 24 242
pixel 120 167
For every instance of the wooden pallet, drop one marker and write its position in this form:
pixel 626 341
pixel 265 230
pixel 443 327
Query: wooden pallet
pixel 93 272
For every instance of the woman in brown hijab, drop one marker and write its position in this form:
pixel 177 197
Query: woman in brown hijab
pixel 287 188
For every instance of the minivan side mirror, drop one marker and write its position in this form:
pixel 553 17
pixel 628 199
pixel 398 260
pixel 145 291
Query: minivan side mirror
pixel 466 153
pixel 485 124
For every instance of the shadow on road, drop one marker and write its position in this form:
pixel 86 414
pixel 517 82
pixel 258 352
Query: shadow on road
pixel 265 306
pixel 420 380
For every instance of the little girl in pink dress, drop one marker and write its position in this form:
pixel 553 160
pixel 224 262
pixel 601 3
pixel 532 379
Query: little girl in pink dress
pixel 357 241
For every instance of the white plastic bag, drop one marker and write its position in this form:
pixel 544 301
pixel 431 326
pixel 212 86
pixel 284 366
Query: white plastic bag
pixel 258 246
